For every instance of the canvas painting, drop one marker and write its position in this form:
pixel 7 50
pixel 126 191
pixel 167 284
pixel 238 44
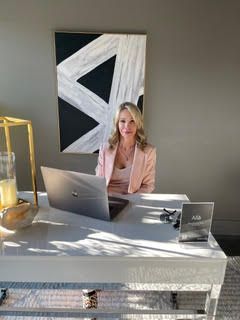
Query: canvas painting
pixel 96 72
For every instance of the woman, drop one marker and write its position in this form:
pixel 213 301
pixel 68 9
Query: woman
pixel 127 162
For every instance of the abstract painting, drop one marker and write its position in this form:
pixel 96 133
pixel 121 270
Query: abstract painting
pixel 96 72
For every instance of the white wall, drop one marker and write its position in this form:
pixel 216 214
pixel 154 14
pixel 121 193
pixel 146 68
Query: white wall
pixel 192 95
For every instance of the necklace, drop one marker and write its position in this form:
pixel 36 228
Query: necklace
pixel 126 154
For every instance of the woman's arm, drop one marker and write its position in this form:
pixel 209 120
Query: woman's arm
pixel 99 169
pixel 148 182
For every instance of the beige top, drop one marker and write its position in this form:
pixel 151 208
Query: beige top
pixel 142 179
pixel 120 180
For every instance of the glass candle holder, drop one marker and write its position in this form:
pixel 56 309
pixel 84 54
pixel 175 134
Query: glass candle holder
pixel 8 186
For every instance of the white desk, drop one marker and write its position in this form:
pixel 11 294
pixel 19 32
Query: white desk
pixel 136 248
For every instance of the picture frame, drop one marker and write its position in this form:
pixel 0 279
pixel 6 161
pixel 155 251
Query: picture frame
pixel 96 72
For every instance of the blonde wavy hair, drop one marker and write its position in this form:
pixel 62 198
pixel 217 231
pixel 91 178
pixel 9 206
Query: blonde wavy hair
pixel 137 117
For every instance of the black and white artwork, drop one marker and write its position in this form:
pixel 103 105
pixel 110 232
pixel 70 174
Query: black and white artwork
pixel 96 72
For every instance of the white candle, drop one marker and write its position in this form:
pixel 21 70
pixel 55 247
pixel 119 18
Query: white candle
pixel 8 192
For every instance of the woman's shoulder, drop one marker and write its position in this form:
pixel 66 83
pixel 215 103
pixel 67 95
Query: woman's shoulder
pixel 105 147
pixel 148 148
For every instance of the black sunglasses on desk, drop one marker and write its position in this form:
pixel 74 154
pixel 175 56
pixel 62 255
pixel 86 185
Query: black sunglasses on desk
pixel 167 217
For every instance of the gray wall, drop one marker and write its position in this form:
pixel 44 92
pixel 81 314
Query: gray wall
pixel 192 96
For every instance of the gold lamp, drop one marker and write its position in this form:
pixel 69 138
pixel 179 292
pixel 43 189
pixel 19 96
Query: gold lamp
pixel 14 212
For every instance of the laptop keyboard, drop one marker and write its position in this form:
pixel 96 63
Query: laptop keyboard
pixel 116 205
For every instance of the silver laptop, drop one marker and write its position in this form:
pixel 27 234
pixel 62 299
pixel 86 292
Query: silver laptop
pixel 81 193
pixel 196 221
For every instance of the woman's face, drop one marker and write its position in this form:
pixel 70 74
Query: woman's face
pixel 126 125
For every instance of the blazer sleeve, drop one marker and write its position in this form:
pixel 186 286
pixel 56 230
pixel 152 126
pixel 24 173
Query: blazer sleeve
pixel 100 164
pixel 148 182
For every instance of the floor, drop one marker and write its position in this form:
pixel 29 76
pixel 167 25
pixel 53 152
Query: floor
pixel 229 244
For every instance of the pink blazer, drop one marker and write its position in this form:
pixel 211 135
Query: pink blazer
pixel 142 177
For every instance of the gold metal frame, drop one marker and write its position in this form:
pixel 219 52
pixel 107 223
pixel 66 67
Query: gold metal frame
pixel 7 123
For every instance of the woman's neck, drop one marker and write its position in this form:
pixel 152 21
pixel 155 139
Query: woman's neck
pixel 127 144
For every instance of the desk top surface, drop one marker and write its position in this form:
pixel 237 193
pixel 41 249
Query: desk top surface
pixel 137 232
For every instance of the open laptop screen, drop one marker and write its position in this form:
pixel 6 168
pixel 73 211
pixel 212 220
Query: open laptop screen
pixel 196 220
pixel 81 193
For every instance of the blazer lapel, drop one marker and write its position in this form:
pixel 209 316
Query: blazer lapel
pixel 137 169
pixel 110 160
